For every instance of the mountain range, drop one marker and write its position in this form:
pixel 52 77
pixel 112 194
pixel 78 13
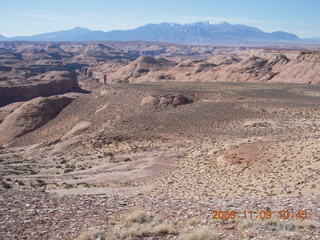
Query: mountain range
pixel 194 33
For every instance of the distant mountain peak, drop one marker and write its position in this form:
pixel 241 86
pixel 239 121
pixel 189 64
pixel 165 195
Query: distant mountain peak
pixel 170 24
pixel 80 29
pixel 202 32
pixel 222 23
pixel 3 37
pixel 199 23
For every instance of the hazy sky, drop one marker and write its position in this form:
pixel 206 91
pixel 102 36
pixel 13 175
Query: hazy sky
pixel 28 17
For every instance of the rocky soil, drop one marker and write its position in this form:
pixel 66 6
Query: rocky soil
pixel 91 131
pixel 38 215
pixel 178 151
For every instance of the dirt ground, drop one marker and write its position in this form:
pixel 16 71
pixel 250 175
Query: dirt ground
pixel 232 146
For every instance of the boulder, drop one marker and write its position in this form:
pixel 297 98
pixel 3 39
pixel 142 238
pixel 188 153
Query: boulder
pixel 149 100
pixel 166 100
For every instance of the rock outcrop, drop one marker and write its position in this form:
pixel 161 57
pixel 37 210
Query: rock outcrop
pixel 47 84
pixel 5 111
pixel 31 115
pixel 166 100
pixel 304 69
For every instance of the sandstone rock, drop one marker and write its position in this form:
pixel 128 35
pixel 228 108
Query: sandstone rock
pixel 181 100
pixel 166 100
pixel 174 99
pixel 31 115
pixel 5 111
pixel 55 51
pixel 309 57
pixel 47 84
pixel 304 69
pixel 149 100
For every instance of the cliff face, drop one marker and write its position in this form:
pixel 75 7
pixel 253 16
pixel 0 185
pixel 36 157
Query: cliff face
pixel 48 84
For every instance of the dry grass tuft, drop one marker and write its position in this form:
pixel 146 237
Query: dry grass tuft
pixel 139 224
pixel 276 225
pixel 202 233
pixel 194 221
pixel 276 228
pixel 165 229
pixel 89 235
pixel 137 216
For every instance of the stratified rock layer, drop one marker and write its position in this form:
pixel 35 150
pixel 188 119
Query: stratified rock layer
pixel 47 84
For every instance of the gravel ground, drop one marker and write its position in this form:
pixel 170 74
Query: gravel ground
pixel 39 215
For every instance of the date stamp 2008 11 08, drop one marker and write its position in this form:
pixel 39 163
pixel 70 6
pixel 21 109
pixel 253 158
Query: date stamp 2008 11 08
pixel 262 214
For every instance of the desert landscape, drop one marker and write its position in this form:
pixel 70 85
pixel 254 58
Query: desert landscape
pixel 145 140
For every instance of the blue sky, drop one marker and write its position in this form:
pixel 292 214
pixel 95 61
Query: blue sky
pixel 28 17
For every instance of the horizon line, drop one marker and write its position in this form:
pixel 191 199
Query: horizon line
pixel 105 31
